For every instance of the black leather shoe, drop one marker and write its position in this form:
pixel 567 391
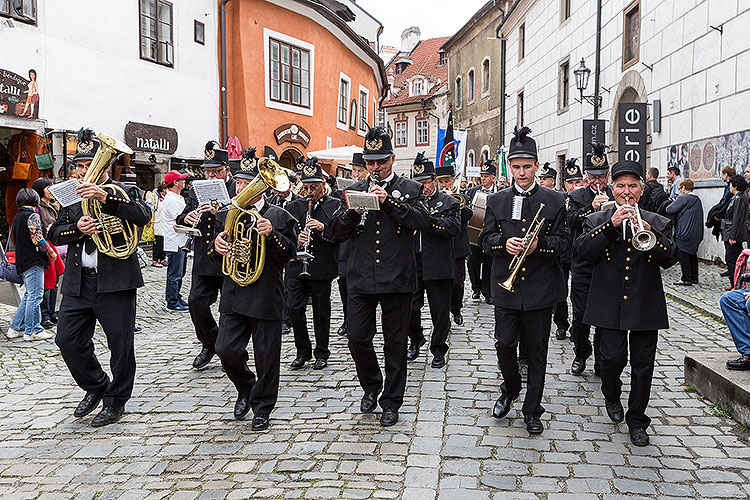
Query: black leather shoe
pixel 534 424
pixel 742 363
pixel 615 411
pixel 203 358
pixel 487 299
pixel 47 324
pixel 413 352
pixel 724 274
pixel 523 370
pixel 579 364
pixel 53 317
pixel 298 363
pixel 89 402
pixel 560 334
pixel 438 361
pixel 260 422
pixel 108 415
pixel 639 437
pixel 502 406
pixel 389 417
pixel 369 402
pixel 320 364
pixel 137 329
pixel 285 328
pixel 475 295
pixel 242 406
pixel 458 319
pixel 342 331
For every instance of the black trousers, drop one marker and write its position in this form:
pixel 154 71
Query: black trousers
pixel 438 298
pixel 235 331
pixel 732 253
pixel 287 314
pixel 75 331
pixel 157 251
pixel 342 286
pixel 203 293
pixel 689 266
pixel 457 291
pixel 533 328
pixel 480 271
pixel 614 359
pixel 395 308
pixel 320 290
pixel 580 332
pixel 560 311
pixel 49 303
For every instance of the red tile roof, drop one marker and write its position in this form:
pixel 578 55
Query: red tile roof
pixel 425 61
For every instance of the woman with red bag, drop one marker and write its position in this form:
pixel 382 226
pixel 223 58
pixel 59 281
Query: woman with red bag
pixel 48 210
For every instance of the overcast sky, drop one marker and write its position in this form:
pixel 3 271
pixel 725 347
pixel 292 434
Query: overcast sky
pixel 434 18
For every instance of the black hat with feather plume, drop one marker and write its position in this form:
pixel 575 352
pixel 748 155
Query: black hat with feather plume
pixel 378 144
pixel 547 171
pixel 423 168
pixel 521 145
pixel 248 165
pixel 214 156
pixel 571 171
pixel 312 171
pixel 596 161
pixel 86 146
pixel 488 167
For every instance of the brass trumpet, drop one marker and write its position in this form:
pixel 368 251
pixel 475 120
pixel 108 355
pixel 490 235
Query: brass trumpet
pixel 519 258
pixel 643 239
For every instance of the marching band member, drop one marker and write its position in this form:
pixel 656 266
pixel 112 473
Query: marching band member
pixel 99 287
pixel 207 277
pixel 627 299
pixel 256 310
pixel 435 262
pixel 480 264
pixel 381 242
pixel 526 312
pixel 320 270
pixel 572 176
pixel 581 203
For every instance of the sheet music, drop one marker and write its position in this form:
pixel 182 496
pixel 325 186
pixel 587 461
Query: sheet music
pixel 343 183
pixel 211 190
pixel 65 192
pixel 517 207
pixel 362 201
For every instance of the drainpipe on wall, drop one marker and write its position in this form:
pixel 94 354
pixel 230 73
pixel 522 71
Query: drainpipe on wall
pixel 223 81
pixel 502 70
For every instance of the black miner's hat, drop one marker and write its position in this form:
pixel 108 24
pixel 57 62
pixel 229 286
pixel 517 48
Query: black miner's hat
pixel 248 165
pixel 623 167
pixel 358 160
pixel 86 146
pixel 378 144
pixel 311 171
pixel 214 156
pixel 444 171
pixel 596 161
pixel 521 145
pixel 571 171
pixel 547 171
pixel 488 167
pixel 423 168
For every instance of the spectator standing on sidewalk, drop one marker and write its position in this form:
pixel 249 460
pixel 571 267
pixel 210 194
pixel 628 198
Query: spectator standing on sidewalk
pixel 171 207
pixel 733 225
pixel 688 211
pixel 153 200
pixel 48 211
pixel 674 177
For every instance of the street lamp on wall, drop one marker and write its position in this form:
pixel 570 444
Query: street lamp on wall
pixel 582 74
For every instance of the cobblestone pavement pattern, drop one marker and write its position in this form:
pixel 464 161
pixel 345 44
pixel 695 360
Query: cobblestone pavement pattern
pixel 178 438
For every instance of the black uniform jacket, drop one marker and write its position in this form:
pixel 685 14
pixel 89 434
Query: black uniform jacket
pixel 626 290
pixel 539 282
pixel 263 299
pixel 383 251
pixel 115 275
pixel 324 265
pixel 579 206
pixel 438 260
pixel 461 246
pixel 203 264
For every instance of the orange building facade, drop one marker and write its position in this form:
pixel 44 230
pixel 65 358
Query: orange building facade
pixel 299 79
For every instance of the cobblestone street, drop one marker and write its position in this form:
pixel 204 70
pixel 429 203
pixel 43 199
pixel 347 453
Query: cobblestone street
pixel 178 438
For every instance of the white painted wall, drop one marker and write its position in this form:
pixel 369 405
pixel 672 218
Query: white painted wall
pixel 87 57
pixel 364 23
pixel 702 77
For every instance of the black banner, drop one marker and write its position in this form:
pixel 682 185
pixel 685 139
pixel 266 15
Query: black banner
pixel 593 131
pixel 631 124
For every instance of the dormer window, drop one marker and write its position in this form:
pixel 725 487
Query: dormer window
pixel 417 87
pixel 442 59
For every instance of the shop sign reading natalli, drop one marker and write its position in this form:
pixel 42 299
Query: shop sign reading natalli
pixel 150 138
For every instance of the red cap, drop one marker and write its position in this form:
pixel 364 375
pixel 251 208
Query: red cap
pixel 172 176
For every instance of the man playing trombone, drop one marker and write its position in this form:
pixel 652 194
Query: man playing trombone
pixel 524 232
pixel 627 247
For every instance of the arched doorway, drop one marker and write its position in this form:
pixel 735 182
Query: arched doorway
pixel 288 158
pixel 632 88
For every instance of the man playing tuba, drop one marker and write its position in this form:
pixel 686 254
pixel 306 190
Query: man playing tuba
pixel 98 286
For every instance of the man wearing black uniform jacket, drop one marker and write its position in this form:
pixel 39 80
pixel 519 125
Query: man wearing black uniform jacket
pixel 581 203
pixel 525 313
pixel 321 269
pixel 98 287
pixel 255 311
pixel 627 299
pixel 381 242
pixel 480 264
pixel 359 172
pixel 435 260
pixel 461 246
pixel 207 276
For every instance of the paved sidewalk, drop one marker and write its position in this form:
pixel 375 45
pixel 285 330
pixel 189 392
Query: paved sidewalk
pixel 703 297
pixel 178 438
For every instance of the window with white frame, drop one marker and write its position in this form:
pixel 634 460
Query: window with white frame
pixel 344 92
pixel 470 96
pixel 423 131
pixel 486 76
pixel 458 92
pixel 416 87
pixel 381 118
pixel 364 98
pixel 290 73
pixel 485 154
pixel 20 10
pixel 400 133
pixel 470 158
pixel 156 35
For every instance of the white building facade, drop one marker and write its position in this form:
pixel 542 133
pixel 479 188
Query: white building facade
pixel 689 60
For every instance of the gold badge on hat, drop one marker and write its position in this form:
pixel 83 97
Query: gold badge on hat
pixel 418 169
pixel 209 155
pixel 598 161
pixel 85 147
pixel 374 144
pixel 571 170
pixel 545 170
pixel 309 170
pixel 245 163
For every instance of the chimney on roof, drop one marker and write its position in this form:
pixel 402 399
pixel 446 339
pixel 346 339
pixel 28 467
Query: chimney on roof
pixel 410 38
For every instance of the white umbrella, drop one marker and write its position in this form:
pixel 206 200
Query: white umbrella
pixel 342 154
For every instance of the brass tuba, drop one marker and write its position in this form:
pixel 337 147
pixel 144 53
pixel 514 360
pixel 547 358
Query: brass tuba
pixel 247 251
pixel 116 237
